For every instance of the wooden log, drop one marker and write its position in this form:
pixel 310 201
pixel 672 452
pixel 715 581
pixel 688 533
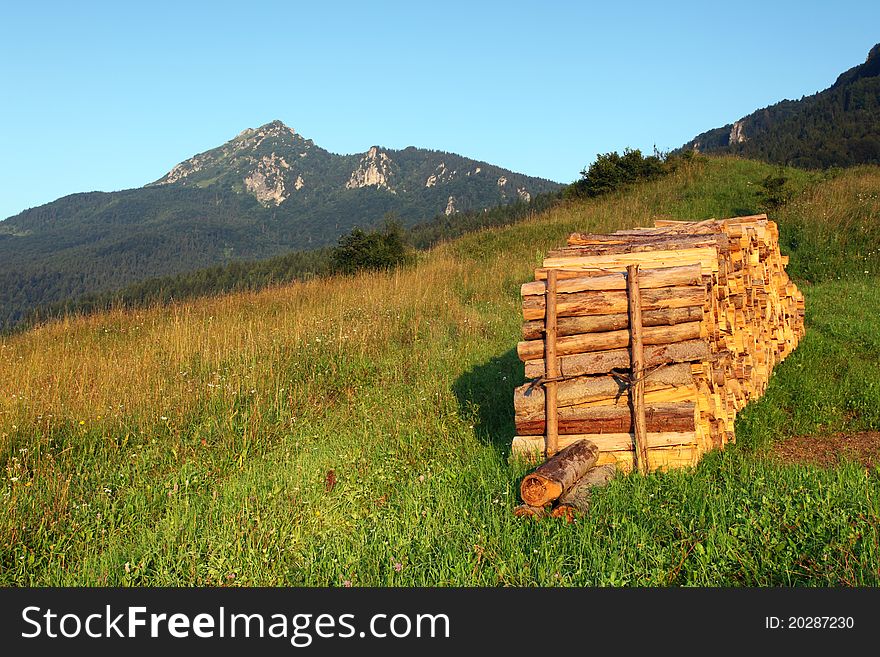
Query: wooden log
pixel 587 342
pixel 618 444
pixel 582 243
pixel 601 362
pixel 614 301
pixel 534 329
pixel 576 500
pixel 612 419
pixel 645 244
pixel 639 369
pixel 654 278
pixel 707 257
pixel 550 358
pixel 557 474
pixel 528 400
pixel 658 395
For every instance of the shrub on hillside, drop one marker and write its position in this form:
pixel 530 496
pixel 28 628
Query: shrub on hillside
pixel 774 192
pixel 611 171
pixel 376 250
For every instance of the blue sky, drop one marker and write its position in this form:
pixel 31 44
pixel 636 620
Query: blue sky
pixel 106 96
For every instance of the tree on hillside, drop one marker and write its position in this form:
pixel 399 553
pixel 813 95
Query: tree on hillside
pixel 612 171
pixel 376 250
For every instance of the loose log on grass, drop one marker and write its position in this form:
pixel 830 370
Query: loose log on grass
pixel 557 474
pixel 576 500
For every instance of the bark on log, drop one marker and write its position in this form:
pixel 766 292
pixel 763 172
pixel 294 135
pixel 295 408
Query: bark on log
pixel 617 446
pixel 601 362
pixel 550 357
pixel 534 329
pixel 576 500
pixel 707 257
pixel 613 419
pixel 528 400
pixel 654 278
pixel 558 473
pixel 639 369
pixel 610 302
pixel 587 342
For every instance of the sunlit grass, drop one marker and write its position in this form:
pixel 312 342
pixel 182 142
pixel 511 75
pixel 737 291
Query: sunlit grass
pixel 192 444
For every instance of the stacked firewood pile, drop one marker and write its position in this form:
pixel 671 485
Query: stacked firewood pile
pixel 645 343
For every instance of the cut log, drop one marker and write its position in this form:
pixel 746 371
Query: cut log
pixel 601 362
pixel 681 454
pixel 606 442
pixel 614 301
pixel 707 257
pixel 528 400
pixel 587 342
pixel 558 473
pixel 534 329
pixel 576 500
pixel 614 419
pixel 661 277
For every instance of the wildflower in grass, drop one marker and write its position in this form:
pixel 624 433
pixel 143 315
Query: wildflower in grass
pixel 398 566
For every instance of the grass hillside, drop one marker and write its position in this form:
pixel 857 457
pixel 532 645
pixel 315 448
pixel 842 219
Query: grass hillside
pixel 354 431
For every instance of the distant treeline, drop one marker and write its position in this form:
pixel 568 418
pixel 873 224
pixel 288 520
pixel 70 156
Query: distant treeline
pixel 377 249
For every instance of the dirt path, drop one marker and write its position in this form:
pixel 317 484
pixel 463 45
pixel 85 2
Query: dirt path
pixel 829 450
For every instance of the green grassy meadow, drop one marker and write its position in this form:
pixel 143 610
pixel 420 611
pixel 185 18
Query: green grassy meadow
pixel 355 431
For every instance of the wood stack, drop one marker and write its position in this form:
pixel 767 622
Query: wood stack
pixel 717 312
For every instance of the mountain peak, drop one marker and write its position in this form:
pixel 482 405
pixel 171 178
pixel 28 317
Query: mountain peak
pixel 276 166
pixel 273 128
pixel 870 69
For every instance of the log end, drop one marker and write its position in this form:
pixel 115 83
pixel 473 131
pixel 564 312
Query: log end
pixel 536 490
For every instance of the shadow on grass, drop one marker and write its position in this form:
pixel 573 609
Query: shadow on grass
pixel 485 396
